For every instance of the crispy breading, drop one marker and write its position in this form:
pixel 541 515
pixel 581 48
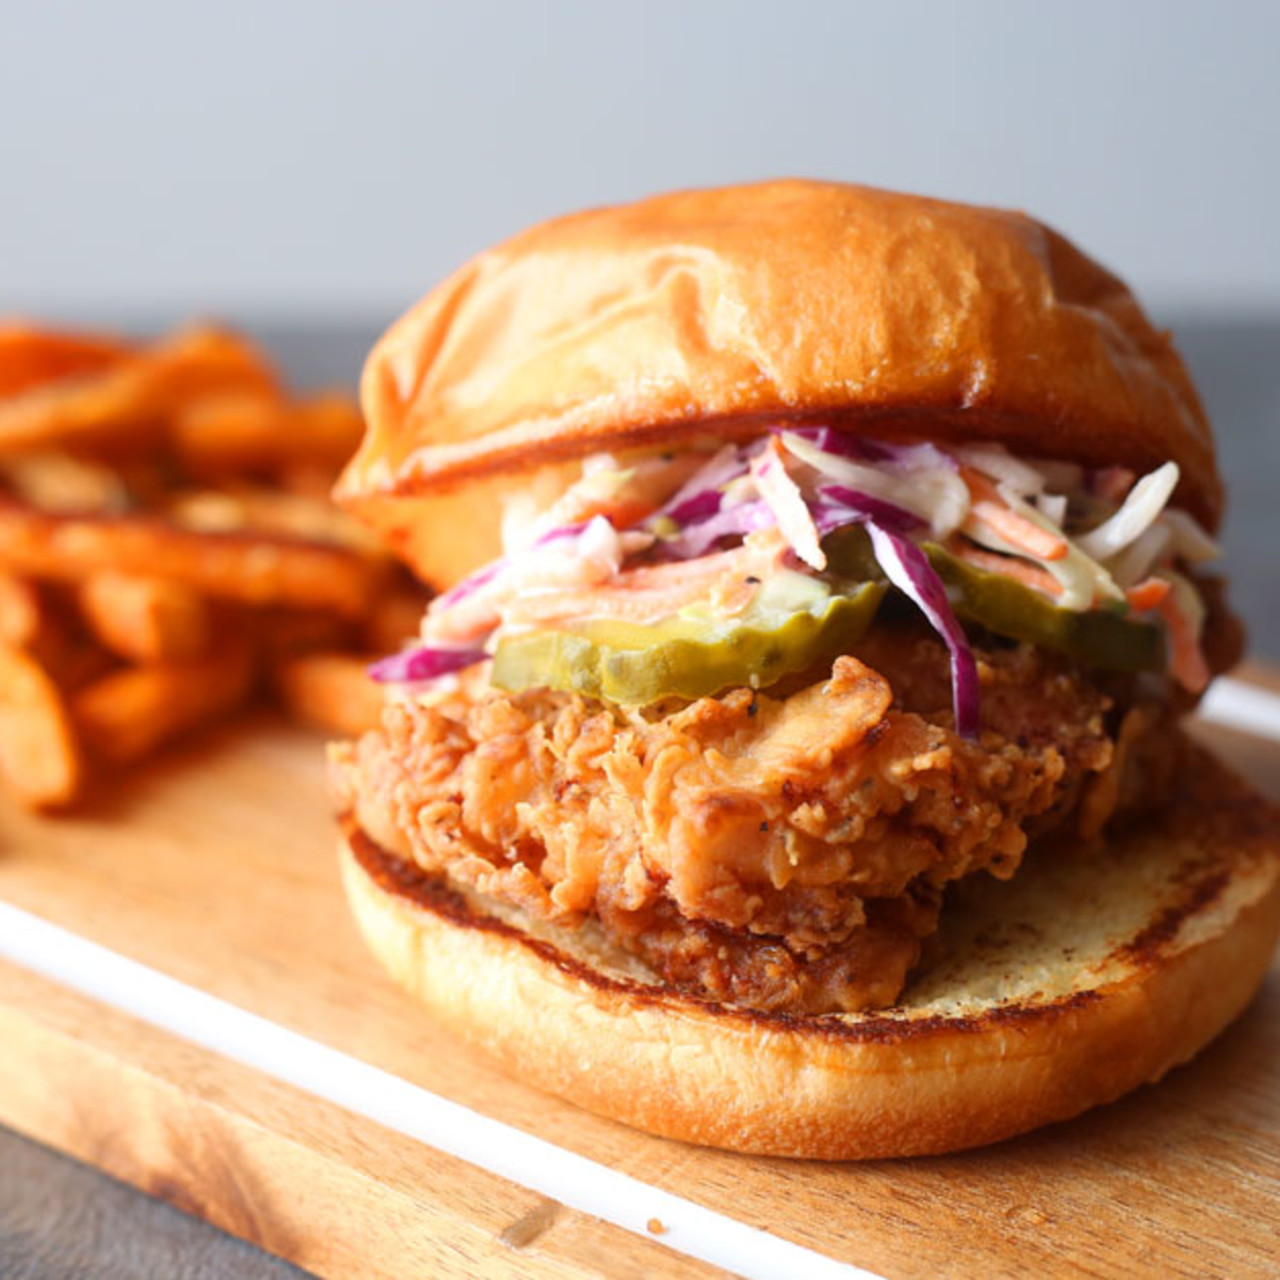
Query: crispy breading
pixel 777 851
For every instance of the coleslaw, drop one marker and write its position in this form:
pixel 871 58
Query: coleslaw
pixel 654 539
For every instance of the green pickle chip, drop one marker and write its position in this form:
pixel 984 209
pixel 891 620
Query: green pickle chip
pixel 688 657
pixel 1095 637
pixel 635 664
pixel 1099 637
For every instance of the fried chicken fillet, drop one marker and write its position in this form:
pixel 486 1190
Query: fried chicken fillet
pixel 779 852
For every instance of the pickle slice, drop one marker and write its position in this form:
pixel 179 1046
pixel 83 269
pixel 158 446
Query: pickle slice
pixel 1094 638
pixel 635 665
pixel 849 555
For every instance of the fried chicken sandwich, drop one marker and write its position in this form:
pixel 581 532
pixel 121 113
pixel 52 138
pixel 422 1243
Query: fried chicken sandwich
pixel 791 759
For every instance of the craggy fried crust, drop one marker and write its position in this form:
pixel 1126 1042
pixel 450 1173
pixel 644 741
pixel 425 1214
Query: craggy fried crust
pixel 1061 989
pixel 776 850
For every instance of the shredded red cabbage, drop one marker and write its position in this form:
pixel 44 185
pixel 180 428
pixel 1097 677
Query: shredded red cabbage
pixel 469 586
pixel 911 457
pixel 482 577
pixel 561 531
pixel 853 504
pixel 700 495
pixel 908 457
pixel 908 568
pixel 829 441
pixel 424 663
pixel 698 506
pixel 697 539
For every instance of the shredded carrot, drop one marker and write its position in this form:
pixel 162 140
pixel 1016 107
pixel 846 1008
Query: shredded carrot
pixel 621 509
pixel 1187 661
pixel 625 603
pixel 619 603
pixel 649 592
pixel 990 508
pixel 761 550
pixel 622 514
pixel 1029 575
pixel 1147 594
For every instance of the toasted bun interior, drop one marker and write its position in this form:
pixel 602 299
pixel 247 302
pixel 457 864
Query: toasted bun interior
pixel 711 313
pixel 1063 988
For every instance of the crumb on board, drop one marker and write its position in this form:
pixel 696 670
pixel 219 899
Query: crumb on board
pixel 655 1227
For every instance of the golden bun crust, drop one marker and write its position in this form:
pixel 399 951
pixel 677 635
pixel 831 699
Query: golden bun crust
pixel 1062 989
pixel 713 312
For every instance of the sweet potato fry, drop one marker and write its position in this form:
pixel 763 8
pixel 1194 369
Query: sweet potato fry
pixel 165 506
pixel 133 397
pixel 260 510
pixel 330 691
pixel 326 425
pixel 129 714
pixel 57 482
pixel 73 661
pixel 21 612
pixel 229 433
pixel 39 620
pixel 308 478
pixel 252 568
pixel 39 756
pixel 30 356
pixel 285 633
pixel 145 619
pixel 243 433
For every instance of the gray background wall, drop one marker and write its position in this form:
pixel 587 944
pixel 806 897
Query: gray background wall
pixel 295 156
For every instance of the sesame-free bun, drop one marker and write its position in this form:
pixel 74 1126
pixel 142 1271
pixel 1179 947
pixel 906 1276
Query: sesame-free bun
pixel 1063 988
pixel 712 313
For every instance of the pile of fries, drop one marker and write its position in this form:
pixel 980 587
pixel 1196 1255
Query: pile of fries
pixel 168 553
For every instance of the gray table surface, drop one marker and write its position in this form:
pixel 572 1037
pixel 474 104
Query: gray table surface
pixel 60 1219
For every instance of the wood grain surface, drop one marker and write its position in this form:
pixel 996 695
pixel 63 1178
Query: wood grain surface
pixel 218 869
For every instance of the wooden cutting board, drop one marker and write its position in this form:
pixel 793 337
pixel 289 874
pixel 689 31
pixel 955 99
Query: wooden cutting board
pixel 217 869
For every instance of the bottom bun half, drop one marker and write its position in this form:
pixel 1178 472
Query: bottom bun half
pixel 1079 979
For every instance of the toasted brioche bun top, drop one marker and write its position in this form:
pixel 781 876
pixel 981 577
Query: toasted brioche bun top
pixel 708 313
